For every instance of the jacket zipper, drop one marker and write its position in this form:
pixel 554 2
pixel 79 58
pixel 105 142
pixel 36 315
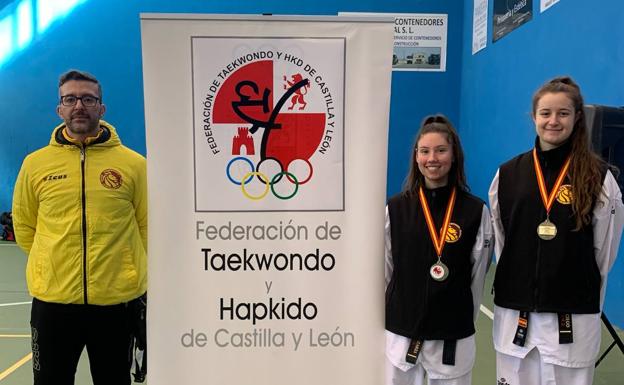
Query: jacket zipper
pixel 84 225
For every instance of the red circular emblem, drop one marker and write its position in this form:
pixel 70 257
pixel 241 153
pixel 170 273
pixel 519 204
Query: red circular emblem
pixel 110 179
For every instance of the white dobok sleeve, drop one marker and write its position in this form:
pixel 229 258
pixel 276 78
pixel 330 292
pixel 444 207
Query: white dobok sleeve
pixel 389 265
pixel 480 258
pixel 499 232
pixel 607 221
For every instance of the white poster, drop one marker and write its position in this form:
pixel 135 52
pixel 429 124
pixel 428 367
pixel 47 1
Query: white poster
pixel 419 40
pixel 479 25
pixel 545 4
pixel 266 149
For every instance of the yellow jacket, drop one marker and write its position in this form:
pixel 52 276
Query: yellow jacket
pixel 80 214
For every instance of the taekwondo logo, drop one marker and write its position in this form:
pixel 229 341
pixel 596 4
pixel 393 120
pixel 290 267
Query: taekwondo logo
pixel 270 123
pixel 564 194
pixel 111 179
pixel 453 233
pixel 254 106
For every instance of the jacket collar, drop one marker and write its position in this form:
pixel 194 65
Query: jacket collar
pixel 556 156
pixel 107 136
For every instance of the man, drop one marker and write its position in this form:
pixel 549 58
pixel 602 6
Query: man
pixel 80 214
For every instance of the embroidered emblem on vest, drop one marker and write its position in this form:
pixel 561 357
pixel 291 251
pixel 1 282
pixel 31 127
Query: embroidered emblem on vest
pixel 454 233
pixel 564 195
pixel 110 179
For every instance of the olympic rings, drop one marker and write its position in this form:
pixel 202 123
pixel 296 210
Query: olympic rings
pixel 266 185
pixel 229 175
pixel 269 183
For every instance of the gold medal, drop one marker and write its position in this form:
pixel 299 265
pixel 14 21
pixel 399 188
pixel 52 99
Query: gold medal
pixel 439 271
pixel 547 230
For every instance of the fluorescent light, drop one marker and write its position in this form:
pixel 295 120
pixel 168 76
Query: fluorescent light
pixel 24 23
pixel 6 37
pixel 23 20
pixel 50 10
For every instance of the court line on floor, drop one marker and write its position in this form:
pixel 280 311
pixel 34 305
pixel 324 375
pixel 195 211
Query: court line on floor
pixel 487 312
pixel 15 303
pixel 15 336
pixel 27 358
pixel 15 366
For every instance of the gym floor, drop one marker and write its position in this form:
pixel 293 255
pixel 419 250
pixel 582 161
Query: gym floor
pixel 15 356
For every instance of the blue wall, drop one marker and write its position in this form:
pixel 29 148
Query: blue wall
pixel 575 37
pixel 103 37
pixel 487 95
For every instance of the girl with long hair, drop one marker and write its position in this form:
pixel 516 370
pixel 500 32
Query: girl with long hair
pixel 558 216
pixel 438 245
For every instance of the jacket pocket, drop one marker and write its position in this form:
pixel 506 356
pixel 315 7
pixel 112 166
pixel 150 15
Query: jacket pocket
pixel 38 267
pixel 128 279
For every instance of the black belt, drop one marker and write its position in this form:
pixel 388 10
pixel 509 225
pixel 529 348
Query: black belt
pixel 448 352
pixel 413 351
pixel 565 328
pixel 521 331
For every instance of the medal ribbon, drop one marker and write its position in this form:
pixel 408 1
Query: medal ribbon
pixel 548 199
pixel 438 242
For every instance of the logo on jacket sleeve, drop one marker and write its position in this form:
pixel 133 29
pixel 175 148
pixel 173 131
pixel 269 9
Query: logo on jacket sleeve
pixel 54 177
pixel 564 194
pixel 454 233
pixel 111 179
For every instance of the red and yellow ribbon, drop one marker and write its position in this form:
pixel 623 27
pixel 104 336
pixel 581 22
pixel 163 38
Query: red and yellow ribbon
pixel 438 242
pixel 548 199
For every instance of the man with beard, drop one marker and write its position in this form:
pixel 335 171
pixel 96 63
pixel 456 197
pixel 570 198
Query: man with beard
pixel 80 214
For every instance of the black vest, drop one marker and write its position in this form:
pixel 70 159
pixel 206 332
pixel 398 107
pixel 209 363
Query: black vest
pixel 417 306
pixel 555 276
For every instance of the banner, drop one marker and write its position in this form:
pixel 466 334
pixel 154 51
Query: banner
pixel 419 40
pixel 267 145
pixel 479 25
pixel 509 15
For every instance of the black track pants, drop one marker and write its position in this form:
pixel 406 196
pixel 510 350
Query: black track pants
pixel 60 332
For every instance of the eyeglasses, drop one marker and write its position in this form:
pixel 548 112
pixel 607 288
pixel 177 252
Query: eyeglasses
pixel 71 100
